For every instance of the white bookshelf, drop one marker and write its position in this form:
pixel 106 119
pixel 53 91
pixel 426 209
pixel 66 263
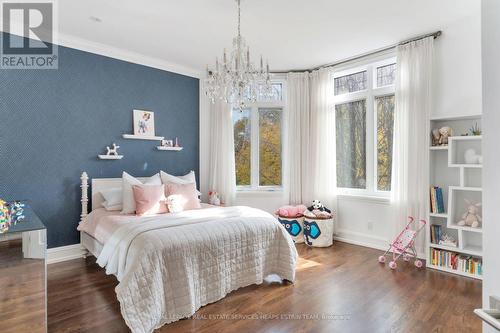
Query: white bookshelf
pixel 458 181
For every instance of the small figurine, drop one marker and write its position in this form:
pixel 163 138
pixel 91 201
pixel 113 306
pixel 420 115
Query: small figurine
pixel 17 212
pixel 112 151
pixel 445 133
pixel 435 137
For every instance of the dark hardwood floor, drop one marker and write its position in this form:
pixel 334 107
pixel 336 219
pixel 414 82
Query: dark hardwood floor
pixel 338 289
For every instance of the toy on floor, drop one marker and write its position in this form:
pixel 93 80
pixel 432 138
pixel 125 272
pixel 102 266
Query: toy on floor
pixel 404 245
pixel 291 211
pixel 471 217
pixel 317 210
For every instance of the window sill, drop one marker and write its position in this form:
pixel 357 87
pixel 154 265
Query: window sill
pixel 365 198
pixel 253 192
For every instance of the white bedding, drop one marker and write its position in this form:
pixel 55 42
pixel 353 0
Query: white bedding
pixel 170 265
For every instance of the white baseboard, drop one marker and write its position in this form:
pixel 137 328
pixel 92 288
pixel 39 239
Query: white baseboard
pixel 361 239
pixel 64 253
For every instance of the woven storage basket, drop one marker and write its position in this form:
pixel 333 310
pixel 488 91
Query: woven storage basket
pixel 294 226
pixel 318 232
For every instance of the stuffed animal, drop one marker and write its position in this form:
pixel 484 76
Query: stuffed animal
pixel 317 209
pixel 214 198
pixel 471 218
pixel 317 205
pixel 435 137
pixel 291 211
pixel 445 133
pixel 471 157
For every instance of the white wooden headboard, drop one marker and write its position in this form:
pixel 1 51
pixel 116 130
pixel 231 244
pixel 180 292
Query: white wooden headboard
pixel 98 185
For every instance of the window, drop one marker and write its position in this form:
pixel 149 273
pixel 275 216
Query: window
pixel 385 131
pixel 351 150
pixel 258 143
pixel 350 83
pixel 242 151
pixel 364 115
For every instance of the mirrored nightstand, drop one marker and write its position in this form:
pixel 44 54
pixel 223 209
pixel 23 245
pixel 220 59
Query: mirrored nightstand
pixel 23 276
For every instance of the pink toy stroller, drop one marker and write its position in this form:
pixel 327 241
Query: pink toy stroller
pixel 404 245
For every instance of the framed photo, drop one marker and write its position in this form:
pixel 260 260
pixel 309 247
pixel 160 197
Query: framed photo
pixel 144 123
pixel 167 143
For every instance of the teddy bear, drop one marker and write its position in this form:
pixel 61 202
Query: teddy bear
pixel 445 133
pixel 471 218
pixel 291 211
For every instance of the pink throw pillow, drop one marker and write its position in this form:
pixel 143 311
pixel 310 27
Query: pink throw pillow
pixel 182 197
pixel 149 199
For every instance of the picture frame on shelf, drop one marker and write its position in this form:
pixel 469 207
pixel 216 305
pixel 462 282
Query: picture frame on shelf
pixel 167 143
pixel 144 123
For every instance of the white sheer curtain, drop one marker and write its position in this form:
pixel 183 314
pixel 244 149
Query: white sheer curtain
pixel 222 174
pixel 297 144
pixel 410 170
pixel 322 177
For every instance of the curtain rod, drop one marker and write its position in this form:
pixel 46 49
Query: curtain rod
pixel 435 34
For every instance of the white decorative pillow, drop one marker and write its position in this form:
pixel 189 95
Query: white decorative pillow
pixel 186 179
pixel 112 197
pixel 128 194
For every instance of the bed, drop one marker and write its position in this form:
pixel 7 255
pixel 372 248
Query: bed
pixel 169 265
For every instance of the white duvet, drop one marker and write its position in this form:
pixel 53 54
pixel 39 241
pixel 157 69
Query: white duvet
pixel 170 265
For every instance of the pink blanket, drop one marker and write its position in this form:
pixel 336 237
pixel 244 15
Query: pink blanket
pixel 101 224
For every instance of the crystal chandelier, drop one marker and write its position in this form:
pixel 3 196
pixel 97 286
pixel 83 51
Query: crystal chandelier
pixel 236 80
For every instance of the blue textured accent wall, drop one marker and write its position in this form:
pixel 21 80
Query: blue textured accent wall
pixel 54 123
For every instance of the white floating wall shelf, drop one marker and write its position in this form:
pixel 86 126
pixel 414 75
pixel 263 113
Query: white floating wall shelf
pixel 142 137
pixel 169 148
pixel 110 157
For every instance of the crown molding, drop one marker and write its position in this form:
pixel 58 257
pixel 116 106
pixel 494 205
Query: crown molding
pixel 125 55
pixel 85 45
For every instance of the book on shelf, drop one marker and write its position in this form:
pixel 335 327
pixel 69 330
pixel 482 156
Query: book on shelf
pixel 436 233
pixel 455 261
pixel 437 201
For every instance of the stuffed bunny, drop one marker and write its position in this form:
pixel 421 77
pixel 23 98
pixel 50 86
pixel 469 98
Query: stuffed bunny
pixel 471 218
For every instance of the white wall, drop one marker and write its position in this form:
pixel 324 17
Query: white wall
pixel 491 114
pixel 457 91
pixel 457 71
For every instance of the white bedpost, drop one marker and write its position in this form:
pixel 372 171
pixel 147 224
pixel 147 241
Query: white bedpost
pixel 85 199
